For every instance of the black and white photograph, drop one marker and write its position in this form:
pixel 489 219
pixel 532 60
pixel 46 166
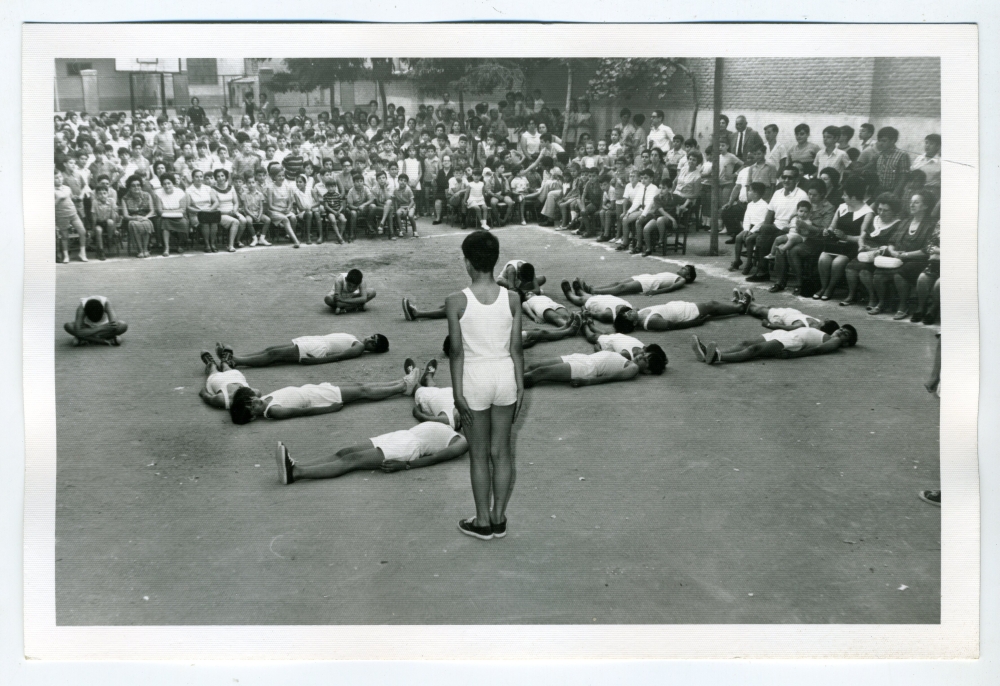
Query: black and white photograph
pixel 659 339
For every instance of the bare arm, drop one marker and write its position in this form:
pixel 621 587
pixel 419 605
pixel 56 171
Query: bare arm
pixel 678 283
pixel 290 412
pixel 516 350
pixel 828 346
pixel 630 371
pixel 112 318
pixel 458 447
pixel 79 317
pixel 213 399
pixel 454 308
pixel 421 417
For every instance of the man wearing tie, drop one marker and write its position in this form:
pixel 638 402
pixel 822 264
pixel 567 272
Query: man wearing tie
pixel 744 139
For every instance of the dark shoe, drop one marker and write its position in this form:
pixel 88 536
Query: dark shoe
pixel 469 528
pixel 436 222
pixel 917 317
pixel 499 530
pixel 930 319
pixel 735 266
pixel 759 278
pixel 776 288
pixel 930 497
pixel 730 241
pixel 285 464
pixel 577 286
pixel 566 288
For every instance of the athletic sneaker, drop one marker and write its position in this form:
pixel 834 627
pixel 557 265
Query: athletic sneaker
pixel 930 497
pixel 566 289
pixel 499 530
pixel 699 349
pixel 285 464
pixel 469 528
pixel 263 241
pixel 412 376
pixel 406 310
pixel 712 355
pixel 524 223
pixel 577 286
pixel 736 295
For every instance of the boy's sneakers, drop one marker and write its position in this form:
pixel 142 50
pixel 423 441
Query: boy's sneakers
pixel 566 289
pixel 285 464
pixel 406 310
pixel 736 295
pixel 699 349
pixel 499 530
pixel 524 223
pixel 469 528
pixel 712 354
pixel 429 370
pixel 263 241
pixel 484 225
pixel 930 497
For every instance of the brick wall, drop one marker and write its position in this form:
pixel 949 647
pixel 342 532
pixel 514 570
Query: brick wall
pixel 906 86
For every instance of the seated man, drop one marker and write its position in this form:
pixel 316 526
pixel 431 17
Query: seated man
pixel 587 370
pixel 603 308
pixel 312 399
pixel 96 323
pixel 620 343
pixel 333 347
pixel 221 382
pixel 780 344
pixel 647 284
pixel 678 314
pixel 520 275
pixel 426 444
pixel 349 293
pixel 785 318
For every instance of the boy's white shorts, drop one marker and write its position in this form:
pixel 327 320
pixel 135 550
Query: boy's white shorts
pixel 398 445
pixel 489 382
pixel 580 366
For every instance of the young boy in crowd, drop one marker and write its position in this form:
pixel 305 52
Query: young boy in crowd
pixel 349 293
pixel 105 215
pixel 163 140
pixel 307 213
pixel 360 205
pixel 753 219
pixel 382 195
pixel 251 201
pixel 330 202
pixel 95 323
pixel 68 218
pixel 405 205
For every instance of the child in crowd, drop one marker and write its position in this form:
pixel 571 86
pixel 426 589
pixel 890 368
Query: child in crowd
pixel 68 218
pixel 519 188
pixel 753 219
pixel 306 213
pixel 106 218
pixel 332 203
pixel 252 207
pixel 360 205
pixel 405 205
pixel 794 236
pixel 477 199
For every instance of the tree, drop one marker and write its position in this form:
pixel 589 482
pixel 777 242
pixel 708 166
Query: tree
pixel 307 74
pixel 639 78
pixel 476 76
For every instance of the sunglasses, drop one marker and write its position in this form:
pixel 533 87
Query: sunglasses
pixel 788 178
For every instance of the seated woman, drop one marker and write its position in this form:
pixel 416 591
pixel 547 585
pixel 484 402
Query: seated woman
pixel 203 209
pixel 426 444
pixel 929 282
pixel 840 239
pixel 95 322
pixel 872 243
pixel 137 210
pixel 687 186
pixel 906 256
pixel 779 344
pixel 810 248
pixel 171 210
pixel 831 179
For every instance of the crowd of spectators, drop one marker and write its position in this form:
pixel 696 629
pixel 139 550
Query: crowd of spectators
pixel 845 212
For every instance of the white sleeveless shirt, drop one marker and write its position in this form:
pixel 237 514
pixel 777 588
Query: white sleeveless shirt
pixel 486 328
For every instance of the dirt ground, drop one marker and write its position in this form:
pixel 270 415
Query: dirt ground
pixel 766 492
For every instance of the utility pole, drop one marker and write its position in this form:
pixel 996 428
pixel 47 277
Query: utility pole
pixel 713 246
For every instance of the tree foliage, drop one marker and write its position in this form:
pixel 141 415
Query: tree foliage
pixel 308 74
pixel 476 76
pixel 625 79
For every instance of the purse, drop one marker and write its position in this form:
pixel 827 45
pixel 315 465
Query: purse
pixel 884 262
pixel 867 257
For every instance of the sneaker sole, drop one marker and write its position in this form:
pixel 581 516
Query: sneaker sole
pixel 406 311
pixel 473 534
pixel 696 346
pixel 279 457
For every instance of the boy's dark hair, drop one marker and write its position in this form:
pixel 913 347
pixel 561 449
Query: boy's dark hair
pixel 381 343
pixel 355 276
pixel 847 131
pixel 646 172
pixel 867 125
pixel 690 273
pixel 381 174
pixel 623 324
pixel 639 119
pixel 934 138
pixel 241 406
pixel 852 335
pixel 802 128
pixel 357 176
pixel 403 177
pixel 678 137
pixel 93 309
pixel 915 176
pixel 625 112
pixel 481 249
pixel 759 188
pixel 829 326
pixel 854 154
pixel 604 178
pixel 888 132
pixel 804 203
pixel 819 185
pixel 832 130
pixel 526 272
pixel 693 142
pixel 657 359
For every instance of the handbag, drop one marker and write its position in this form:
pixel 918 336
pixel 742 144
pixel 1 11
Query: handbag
pixel 868 257
pixel 884 262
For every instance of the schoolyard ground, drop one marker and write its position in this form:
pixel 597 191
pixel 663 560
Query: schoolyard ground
pixel 765 492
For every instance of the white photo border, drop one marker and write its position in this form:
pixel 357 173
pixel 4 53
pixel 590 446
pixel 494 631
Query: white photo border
pixel 957 635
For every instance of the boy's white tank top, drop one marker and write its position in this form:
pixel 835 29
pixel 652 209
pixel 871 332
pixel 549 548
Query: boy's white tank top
pixel 486 328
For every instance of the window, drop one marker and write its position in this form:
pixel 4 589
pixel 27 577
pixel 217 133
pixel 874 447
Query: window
pixel 202 72
pixel 74 68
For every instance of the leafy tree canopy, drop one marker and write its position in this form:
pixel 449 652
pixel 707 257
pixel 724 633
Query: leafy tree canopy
pixel 632 78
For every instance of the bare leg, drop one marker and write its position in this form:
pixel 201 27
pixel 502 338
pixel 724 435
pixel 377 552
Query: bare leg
pixel 837 268
pixel 288 354
pixel 436 313
pixel 903 290
pixel 556 371
pixel 753 352
pixel 824 264
pixel 714 308
pixel 865 277
pixel 853 278
pixel 629 287
pixel 881 282
pixel 480 445
pixel 502 458
pixel 344 461
pixel 379 390
pixel 560 317
pixel 101 333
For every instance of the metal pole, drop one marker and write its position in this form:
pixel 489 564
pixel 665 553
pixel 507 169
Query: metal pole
pixel 713 246
pixel 163 93
pixel 131 92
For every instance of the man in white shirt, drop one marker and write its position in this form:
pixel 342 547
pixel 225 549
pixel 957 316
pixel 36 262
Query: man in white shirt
pixel 831 156
pixel 776 153
pixel 660 135
pixel 780 211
